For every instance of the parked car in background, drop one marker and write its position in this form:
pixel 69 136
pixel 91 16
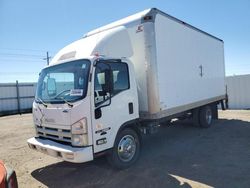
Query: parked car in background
pixel 8 177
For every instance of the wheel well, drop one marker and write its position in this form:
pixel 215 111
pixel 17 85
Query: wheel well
pixel 196 111
pixel 134 124
pixel 213 105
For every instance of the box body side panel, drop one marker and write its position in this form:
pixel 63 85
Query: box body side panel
pixel 190 64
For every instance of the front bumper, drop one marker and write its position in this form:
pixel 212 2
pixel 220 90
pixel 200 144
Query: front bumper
pixel 64 152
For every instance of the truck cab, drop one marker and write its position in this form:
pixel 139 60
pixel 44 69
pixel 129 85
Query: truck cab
pixel 81 105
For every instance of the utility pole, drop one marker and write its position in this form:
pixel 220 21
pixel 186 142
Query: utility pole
pixel 47 58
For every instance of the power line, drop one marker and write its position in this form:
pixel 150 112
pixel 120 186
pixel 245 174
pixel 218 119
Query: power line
pixel 47 58
pixel 16 55
pixel 19 49
pixel 24 57
pixel 18 73
pixel 20 58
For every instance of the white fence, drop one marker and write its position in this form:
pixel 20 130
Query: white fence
pixel 238 89
pixel 16 97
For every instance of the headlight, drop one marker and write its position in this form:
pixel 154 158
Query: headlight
pixel 80 140
pixel 80 127
pixel 79 132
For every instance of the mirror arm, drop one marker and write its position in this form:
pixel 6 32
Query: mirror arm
pixel 105 104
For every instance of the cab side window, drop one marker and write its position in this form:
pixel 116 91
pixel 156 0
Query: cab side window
pixel 120 80
pixel 120 77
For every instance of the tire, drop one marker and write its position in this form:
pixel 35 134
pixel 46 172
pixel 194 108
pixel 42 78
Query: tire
pixel 215 111
pixel 196 116
pixel 126 149
pixel 206 116
pixel 166 123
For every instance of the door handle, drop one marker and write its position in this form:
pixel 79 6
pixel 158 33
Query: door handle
pixel 130 108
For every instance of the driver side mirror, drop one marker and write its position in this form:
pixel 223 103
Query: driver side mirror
pixel 51 86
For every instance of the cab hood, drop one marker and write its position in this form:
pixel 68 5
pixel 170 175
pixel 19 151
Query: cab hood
pixel 60 115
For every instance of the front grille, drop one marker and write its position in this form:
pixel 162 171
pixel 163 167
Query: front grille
pixel 54 133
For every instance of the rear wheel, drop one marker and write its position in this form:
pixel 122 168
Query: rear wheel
pixel 166 123
pixel 195 117
pixel 206 116
pixel 126 149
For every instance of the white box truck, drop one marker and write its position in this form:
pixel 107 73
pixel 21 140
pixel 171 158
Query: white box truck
pixel 101 93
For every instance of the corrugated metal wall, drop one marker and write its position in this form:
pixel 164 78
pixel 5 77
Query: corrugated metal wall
pixel 16 97
pixel 238 89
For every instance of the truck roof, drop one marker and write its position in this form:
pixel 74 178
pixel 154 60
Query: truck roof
pixel 147 15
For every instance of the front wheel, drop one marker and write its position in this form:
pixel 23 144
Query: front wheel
pixel 126 149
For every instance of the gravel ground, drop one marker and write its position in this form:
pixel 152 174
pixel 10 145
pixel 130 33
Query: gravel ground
pixel 180 155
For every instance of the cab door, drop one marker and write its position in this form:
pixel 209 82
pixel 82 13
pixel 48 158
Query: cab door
pixel 113 102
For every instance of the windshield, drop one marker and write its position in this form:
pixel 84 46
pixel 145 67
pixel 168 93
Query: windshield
pixel 62 83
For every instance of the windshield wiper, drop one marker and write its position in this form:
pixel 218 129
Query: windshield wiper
pixel 40 100
pixel 70 105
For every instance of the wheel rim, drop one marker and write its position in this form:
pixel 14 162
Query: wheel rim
pixel 126 148
pixel 209 116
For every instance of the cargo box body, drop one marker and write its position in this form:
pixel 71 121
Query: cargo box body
pixel 178 67
pixel 184 67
